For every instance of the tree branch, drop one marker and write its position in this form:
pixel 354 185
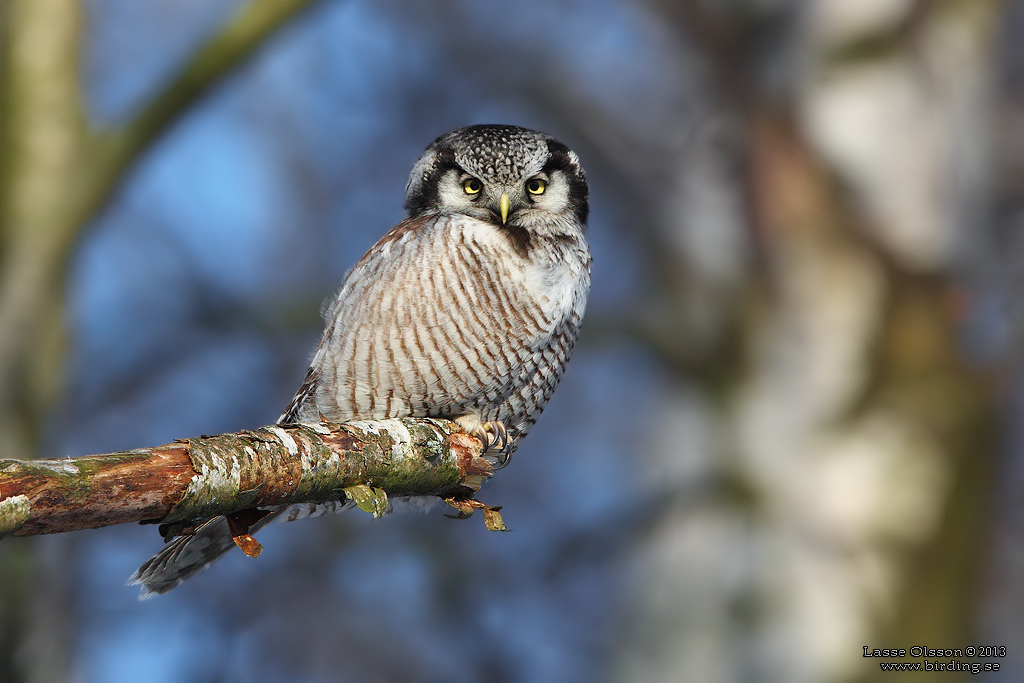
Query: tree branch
pixel 236 42
pixel 194 479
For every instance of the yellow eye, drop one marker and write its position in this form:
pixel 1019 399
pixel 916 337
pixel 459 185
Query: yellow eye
pixel 472 186
pixel 536 186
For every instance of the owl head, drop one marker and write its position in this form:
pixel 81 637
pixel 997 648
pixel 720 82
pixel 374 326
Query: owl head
pixel 516 178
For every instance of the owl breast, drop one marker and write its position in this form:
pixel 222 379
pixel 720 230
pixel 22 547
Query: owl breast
pixel 448 316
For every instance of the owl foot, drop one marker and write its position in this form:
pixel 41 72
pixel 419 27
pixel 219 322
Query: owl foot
pixel 492 435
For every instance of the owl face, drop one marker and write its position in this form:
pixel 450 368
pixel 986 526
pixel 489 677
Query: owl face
pixel 518 179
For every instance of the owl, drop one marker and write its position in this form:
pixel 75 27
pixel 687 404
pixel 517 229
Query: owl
pixel 468 309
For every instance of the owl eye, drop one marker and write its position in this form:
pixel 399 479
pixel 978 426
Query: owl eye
pixel 536 186
pixel 472 186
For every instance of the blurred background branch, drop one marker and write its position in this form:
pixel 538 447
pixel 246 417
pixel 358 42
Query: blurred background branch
pixel 56 172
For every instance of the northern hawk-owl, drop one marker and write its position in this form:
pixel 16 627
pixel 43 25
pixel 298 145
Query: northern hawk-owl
pixel 468 309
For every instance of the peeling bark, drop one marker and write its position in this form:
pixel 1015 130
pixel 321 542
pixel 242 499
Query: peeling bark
pixel 194 479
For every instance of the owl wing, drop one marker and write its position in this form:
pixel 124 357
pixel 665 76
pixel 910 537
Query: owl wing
pixel 304 394
pixel 437 319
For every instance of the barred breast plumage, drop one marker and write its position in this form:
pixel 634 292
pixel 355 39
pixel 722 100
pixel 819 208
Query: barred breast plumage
pixel 445 317
pixel 468 309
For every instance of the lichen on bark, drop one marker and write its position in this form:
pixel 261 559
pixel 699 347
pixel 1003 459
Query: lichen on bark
pixel 14 512
pixel 236 471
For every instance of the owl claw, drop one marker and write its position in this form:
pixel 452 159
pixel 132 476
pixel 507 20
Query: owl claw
pixel 506 457
pixel 492 435
pixel 500 434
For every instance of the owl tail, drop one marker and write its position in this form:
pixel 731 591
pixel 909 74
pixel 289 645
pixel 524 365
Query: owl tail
pixel 187 555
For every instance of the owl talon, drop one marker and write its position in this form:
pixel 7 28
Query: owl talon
pixel 506 457
pixel 494 437
pixel 490 433
pixel 495 433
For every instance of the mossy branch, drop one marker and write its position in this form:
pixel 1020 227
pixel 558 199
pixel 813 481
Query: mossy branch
pixel 193 479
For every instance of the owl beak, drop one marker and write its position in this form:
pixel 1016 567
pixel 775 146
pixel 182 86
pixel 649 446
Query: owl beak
pixel 503 206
